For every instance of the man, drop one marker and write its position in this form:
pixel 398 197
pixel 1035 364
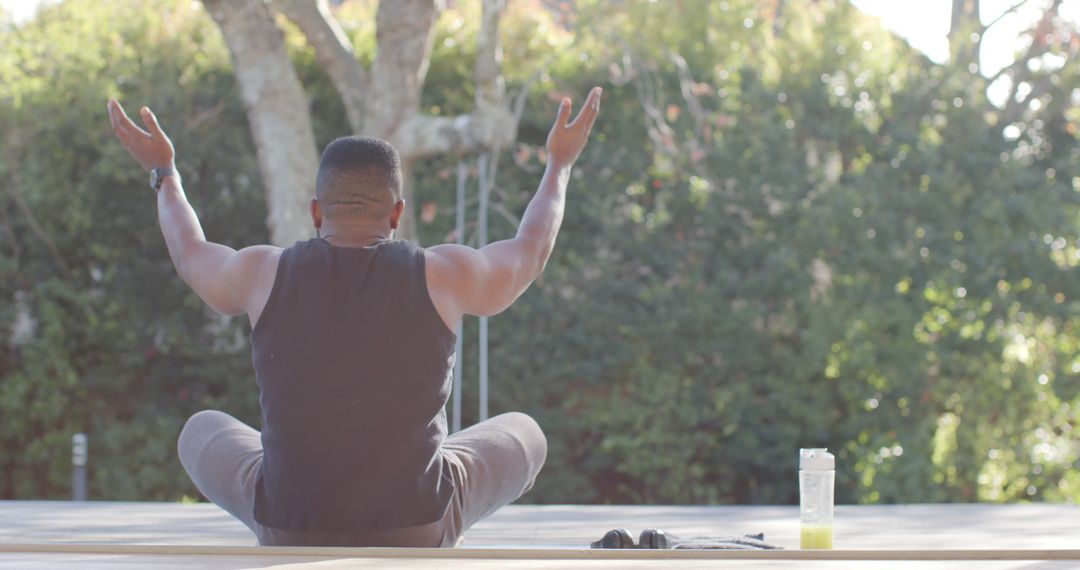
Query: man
pixel 352 346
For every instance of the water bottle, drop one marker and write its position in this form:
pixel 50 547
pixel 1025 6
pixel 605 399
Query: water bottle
pixel 817 475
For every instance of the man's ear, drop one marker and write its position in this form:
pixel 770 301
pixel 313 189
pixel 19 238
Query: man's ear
pixel 395 214
pixel 316 214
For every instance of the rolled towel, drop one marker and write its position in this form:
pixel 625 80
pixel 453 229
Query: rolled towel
pixel 745 542
pixel 655 539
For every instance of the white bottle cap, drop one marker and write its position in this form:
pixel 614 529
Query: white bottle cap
pixel 816 459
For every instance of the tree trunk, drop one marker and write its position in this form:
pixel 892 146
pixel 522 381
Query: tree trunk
pixel 277 110
pixel 407 228
pixel 382 102
pixel 404 33
pixel 963 49
pixel 333 51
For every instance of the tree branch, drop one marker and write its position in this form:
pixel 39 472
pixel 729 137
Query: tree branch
pixel 16 150
pixel 1014 110
pixel 522 95
pixel 277 111
pixel 1020 65
pixel 404 32
pixel 16 251
pixel 204 115
pixel 425 135
pixel 492 124
pixel 778 19
pixel 982 35
pixel 1021 71
pixel 487 71
pixel 501 209
pixel 1012 9
pixel 38 230
pixel 334 52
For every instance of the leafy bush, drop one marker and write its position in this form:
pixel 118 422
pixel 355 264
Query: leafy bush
pixel 787 232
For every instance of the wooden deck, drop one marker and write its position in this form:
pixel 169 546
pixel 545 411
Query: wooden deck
pixel 46 534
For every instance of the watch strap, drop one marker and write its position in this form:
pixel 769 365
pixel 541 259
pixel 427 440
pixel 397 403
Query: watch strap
pixel 158 176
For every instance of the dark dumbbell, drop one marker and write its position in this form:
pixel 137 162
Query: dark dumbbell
pixel 655 539
pixel 617 538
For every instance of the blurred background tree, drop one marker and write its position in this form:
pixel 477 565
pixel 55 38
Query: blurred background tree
pixel 790 229
pixel 381 100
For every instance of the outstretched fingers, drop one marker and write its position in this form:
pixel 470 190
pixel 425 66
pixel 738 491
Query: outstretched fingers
pixel 564 113
pixel 589 111
pixel 151 122
pixel 150 149
pixel 122 124
pixel 114 119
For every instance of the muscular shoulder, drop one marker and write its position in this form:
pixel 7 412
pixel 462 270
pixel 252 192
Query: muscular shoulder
pixel 449 263
pixel 448 271
pixel 256 260
pixel 254 269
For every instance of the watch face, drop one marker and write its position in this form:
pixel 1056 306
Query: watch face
pixel 154 179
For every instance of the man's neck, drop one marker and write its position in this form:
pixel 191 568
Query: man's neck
pixel 354 235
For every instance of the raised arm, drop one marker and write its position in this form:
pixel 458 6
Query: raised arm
pixel 483 282
pixel 229 281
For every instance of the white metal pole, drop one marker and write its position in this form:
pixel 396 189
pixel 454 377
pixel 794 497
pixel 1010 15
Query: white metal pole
pixel 462 177
pixel 482 222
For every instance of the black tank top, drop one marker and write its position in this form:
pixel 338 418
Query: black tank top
pixel 354 369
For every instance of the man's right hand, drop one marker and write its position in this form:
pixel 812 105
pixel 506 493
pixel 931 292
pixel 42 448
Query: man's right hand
pixel 566 140
pixel 151 148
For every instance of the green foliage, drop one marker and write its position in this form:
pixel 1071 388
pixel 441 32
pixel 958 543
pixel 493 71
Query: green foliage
pixel 105 339
pixel 789 230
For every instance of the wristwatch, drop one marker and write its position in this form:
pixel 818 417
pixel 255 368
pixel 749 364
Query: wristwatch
pixel 157 176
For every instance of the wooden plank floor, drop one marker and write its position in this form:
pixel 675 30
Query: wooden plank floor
pixel 915 527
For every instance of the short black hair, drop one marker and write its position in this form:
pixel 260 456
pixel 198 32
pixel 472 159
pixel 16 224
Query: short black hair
pixel 359 177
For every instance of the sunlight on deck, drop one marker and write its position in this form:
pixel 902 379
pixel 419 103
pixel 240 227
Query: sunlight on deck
pixel 555 529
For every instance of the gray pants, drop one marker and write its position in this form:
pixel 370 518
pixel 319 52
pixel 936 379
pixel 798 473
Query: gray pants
pixel 492 463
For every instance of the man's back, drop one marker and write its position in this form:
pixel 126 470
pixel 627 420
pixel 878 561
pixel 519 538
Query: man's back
pixel 353 350
pixel 353 364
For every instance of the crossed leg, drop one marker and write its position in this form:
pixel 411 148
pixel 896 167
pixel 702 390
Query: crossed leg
pixel 222 456
pixel 492 464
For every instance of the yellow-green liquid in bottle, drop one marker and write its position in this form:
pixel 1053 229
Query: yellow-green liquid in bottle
pixel 816 537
